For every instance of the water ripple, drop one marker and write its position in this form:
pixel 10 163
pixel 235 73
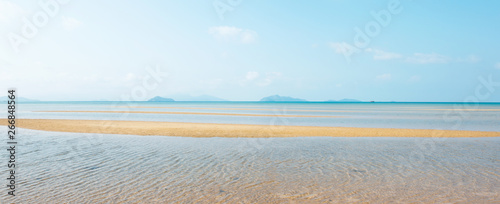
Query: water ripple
pixel 77 168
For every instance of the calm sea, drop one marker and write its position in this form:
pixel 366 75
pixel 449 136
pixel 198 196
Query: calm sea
pixel 452 116
pixel 56 167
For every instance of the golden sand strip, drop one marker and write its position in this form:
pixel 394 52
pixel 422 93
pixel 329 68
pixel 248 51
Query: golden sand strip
pixel 197 113
pixel 230 130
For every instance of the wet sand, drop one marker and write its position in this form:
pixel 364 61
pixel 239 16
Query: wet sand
pixel 230 130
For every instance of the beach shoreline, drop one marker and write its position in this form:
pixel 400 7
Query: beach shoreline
pixel 184 129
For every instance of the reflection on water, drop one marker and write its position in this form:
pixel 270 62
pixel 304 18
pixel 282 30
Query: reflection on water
pixel 75 168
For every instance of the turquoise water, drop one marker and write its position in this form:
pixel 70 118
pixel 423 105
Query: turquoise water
pixel 451 116
pixel 58 167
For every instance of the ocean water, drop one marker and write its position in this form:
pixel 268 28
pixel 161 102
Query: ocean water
pixel 450 116
pixel 57 167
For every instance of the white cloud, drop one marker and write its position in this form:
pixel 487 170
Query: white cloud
pixel 383 77
pixel 5 63
pixel 497 65
pixel 130 77
pixel 254 78
pixel 249 77
pixel 414 78
pixel 9 11
pixel 252 75
pixel 233 34
pixel 433 58
pixel 383 55
pixel 343 48
pixel 70 23
pixel 270 77
pixel 470 59
pixel 417 58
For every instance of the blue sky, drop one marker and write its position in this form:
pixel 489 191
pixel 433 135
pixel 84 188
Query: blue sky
pixel 100 50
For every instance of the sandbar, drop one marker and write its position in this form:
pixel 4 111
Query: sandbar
pixel 229 130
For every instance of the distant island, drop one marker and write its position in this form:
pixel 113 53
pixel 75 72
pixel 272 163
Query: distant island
pixel 160 99
pixel 281 98
pixel 272 98
pixel 184 97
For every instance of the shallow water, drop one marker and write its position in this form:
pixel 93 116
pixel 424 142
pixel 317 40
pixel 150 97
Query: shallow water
pixel 58 167
pixel 450 116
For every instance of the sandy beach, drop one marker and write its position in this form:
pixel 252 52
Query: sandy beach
pixel 230 130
